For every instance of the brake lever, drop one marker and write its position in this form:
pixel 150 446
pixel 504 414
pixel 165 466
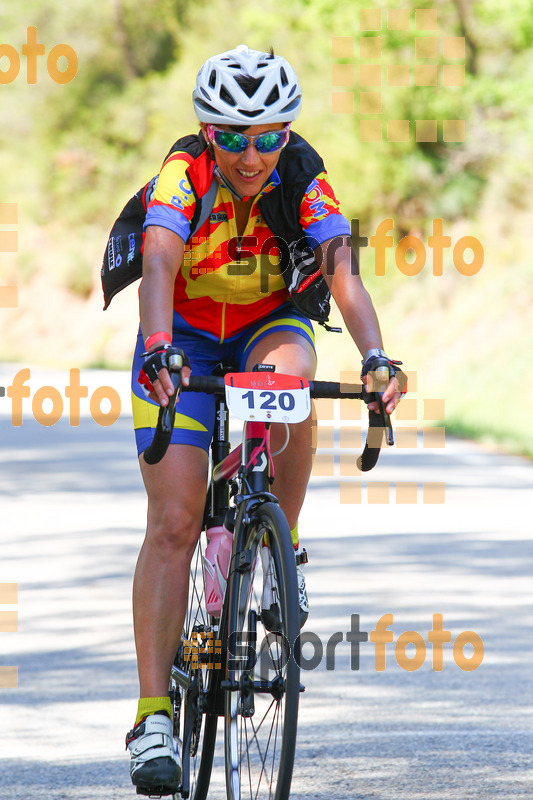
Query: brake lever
pixel 385 419
pixel 167 412
pixel 377 396
pixel 174 366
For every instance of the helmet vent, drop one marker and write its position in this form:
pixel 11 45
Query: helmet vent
pixel 272 97
pixel 250 113
pixel 292 105
pixel 226 97
pixel 206 107
pixel 283 76
pixel 248 84
pixel 212 79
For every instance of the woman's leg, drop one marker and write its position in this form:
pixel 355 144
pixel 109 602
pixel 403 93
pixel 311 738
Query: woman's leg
pixel 176 490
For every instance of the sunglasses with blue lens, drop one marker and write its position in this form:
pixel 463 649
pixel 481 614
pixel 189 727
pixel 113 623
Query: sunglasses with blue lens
pixel 233 142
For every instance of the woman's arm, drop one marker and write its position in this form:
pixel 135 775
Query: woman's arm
pixel 162 259
pixel 341 271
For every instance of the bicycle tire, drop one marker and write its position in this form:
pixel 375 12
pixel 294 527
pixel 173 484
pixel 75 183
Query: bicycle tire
pixel 193 721
pixel 260 749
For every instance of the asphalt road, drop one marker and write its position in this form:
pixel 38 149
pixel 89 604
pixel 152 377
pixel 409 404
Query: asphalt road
pixel 72 521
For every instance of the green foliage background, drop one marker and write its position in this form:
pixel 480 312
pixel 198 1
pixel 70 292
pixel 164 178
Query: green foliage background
pixel 71 156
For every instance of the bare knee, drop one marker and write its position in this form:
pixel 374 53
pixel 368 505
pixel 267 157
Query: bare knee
pixel 172 528
pixel 289 352
pixel 176 496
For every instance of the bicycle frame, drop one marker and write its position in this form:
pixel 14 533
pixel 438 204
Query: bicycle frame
pixel 256 441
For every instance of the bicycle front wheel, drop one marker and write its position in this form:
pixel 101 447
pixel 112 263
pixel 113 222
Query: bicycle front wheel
pixel 261 707
pixel 195 724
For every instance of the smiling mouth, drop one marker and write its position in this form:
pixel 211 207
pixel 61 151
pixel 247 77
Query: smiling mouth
pixel 244 174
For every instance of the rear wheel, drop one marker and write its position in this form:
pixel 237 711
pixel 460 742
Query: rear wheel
pixel 261 709
pixel 195 727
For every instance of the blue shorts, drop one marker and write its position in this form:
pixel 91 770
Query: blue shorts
pixel 195 412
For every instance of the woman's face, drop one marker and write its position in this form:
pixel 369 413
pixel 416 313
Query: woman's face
pixel 249 170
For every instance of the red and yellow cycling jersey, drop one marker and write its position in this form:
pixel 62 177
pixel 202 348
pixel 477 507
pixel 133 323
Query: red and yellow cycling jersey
pixel 227 282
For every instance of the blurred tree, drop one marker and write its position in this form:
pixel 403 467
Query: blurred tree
pixel 130 60
pixel 148 35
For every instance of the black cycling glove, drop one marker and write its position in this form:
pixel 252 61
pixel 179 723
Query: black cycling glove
pixel 376 359
pixel 156 361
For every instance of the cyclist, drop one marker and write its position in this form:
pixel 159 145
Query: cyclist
pixel 204 291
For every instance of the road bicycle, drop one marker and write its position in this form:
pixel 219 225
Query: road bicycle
pixel 237 665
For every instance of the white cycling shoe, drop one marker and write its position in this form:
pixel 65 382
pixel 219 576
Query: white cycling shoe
pixel 270 615
pixel 155 768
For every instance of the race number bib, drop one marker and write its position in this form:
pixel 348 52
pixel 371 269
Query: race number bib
pixel 267 396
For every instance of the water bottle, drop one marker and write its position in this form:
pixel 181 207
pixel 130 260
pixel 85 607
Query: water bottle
pixel 216 562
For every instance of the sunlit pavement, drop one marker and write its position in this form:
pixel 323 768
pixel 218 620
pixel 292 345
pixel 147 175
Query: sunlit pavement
pixel 73 512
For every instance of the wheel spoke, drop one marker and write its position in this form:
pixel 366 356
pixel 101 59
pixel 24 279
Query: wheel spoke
pixel 261 757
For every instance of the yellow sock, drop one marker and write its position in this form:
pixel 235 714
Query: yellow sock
pixel 294 536
pixel 149 705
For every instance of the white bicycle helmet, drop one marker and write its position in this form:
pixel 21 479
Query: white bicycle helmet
pixel 246 87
